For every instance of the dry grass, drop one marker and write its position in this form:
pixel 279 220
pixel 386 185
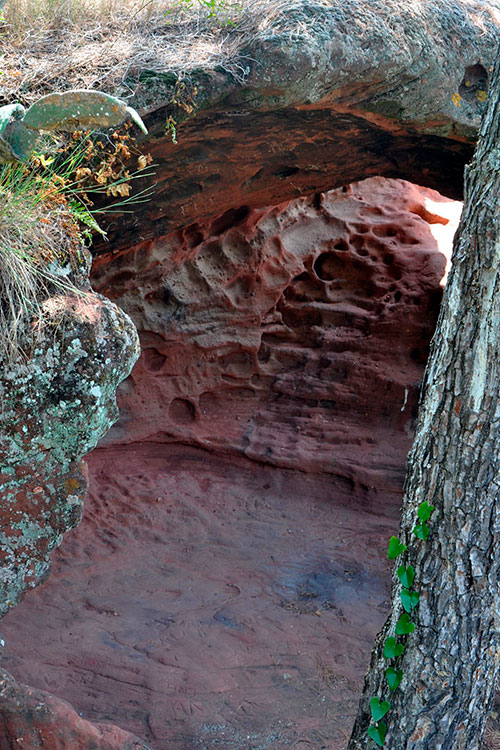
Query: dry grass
pixel 37 234
pixel 491 737
pixel 102 43
pixel 48 45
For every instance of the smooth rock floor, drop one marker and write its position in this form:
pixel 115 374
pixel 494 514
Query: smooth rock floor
pixel 211 602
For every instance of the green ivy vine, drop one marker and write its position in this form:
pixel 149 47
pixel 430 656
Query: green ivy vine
pixel 393 646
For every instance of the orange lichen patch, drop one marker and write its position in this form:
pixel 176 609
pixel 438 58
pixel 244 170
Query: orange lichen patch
pixel 71 485
pixel 85 307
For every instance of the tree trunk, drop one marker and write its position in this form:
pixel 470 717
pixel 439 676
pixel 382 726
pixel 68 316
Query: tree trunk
pixel 452 659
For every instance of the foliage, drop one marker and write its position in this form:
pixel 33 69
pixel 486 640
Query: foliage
pixel 224 12
pixel 47 212
pixel 37 234
pixel 405 626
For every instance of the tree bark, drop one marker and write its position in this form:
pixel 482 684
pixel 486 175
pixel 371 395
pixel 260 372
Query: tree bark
pixel 452 660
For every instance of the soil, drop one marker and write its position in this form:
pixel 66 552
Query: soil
pixel 211 602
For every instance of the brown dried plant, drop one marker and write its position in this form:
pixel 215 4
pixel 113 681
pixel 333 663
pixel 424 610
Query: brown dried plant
pixel 46 214
pixel 37 236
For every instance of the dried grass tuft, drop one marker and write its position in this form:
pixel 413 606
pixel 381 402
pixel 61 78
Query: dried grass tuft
pixel 491 737
pixel 51 45
pixel 37 235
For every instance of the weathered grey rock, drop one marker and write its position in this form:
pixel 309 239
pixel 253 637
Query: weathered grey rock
pixel 55 405
pixel 400 60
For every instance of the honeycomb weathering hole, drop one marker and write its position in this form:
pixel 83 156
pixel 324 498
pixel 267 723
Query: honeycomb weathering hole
pixel 341 245
pixel 328 267
pixel 353 274
pixel 153 359
pixel 182 411
pixel 278 354
pixel 474 83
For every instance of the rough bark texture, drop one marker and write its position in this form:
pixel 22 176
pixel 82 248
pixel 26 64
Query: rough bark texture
pixel 451 662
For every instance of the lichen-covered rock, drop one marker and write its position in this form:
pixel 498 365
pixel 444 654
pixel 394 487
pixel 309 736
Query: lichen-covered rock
pixel 394 58
pixel 32 719
pixel 55 405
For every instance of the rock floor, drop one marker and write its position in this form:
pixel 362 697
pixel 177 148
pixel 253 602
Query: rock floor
pixel 211 602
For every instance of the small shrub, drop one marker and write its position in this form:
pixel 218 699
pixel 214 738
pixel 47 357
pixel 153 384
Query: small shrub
pixel 47 214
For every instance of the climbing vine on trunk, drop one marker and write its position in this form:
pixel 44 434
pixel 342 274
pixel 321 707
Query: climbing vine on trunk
pixel 448 671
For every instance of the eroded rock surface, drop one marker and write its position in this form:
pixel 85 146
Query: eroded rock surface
pixel 295 334
pixel 32 719
pixel 211 602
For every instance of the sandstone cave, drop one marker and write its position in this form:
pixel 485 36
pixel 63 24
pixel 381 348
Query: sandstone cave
pixel 228 562
pixel 228 578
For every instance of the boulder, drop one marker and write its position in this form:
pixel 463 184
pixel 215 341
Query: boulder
pixel 56 404
pixel 33 719
pixel 57 400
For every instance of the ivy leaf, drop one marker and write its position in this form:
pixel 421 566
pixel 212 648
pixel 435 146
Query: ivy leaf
pixel 395 548
pixel 404 625
pixel 377 733
pixel 393 677
pixel 392 648
pixel 424 511
pixel 409 599
pixel 421 530
pixel 379 708
pixel 406 575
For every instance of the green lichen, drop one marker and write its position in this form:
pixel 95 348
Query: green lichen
pixel 68 110
pixel 55 408
pixel 386 107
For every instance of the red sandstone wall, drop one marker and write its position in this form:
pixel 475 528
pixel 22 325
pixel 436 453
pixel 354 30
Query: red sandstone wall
pixel 295 334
